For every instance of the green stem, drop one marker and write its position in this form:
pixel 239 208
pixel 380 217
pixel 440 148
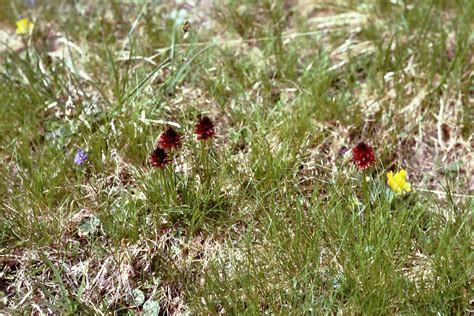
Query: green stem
pixel 365 188
pixel 204 162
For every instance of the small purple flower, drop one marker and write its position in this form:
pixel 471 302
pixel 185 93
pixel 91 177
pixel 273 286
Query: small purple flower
pixel 80 157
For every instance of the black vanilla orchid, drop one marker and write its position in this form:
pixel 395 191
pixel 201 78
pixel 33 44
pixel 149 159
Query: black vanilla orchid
pixel 169 139
pixel 159 158
pixel 363 156
pixel 204 129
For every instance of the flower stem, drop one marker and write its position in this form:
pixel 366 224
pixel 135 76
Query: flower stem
pixel 365 188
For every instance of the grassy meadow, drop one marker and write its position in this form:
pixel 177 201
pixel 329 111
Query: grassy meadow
pixel 269 215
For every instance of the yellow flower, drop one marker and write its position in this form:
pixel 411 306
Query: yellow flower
pixel 398 181
pixel 24 26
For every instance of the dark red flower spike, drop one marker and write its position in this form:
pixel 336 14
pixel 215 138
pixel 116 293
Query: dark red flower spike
pixel 204 129
pixel 159 158
pixel 169 139
pixel 363 155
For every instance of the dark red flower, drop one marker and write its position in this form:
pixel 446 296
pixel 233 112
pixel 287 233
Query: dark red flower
pixel 158 158
pixel 204 129
pixel 169 139
pixel 363 155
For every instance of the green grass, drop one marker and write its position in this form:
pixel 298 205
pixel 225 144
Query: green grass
pixel 270 216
